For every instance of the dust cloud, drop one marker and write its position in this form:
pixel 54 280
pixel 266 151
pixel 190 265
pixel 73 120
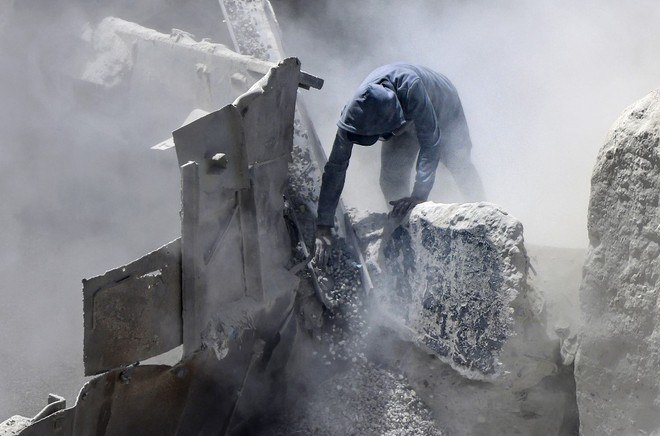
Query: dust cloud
pixel 82 193
pixel 540 82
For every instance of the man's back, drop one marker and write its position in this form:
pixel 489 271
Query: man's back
pixel 441 91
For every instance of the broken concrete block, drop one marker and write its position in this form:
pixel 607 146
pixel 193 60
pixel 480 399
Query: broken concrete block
pixel 14 425
pixel 461 266
pixel 455 277
pixel 133 312
pixel 617 366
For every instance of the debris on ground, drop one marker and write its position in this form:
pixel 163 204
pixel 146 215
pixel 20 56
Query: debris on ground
pixel 363 400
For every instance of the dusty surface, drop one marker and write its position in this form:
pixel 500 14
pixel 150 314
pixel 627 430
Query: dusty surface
pixel 557 273
pixel 617 368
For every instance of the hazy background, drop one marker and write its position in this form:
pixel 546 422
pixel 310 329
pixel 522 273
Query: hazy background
pixel 541 83
pixel 82 193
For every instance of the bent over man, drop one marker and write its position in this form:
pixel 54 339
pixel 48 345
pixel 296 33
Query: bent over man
pixel 418 116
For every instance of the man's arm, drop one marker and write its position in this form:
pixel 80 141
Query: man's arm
pixel 421 110
pixel 334 175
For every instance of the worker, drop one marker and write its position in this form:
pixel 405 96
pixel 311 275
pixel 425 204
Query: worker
pixel 417 115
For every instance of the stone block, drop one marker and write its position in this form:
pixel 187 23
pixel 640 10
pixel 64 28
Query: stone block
pixel 462 321
pixel 617 366
pixel 461 266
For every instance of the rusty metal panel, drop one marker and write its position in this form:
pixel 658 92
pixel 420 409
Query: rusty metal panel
pixel 133 312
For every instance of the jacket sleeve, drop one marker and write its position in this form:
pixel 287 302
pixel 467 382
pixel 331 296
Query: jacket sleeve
pixel 421 111
pixel 334 175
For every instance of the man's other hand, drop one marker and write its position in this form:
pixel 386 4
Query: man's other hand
pixel 322 245
pixel 403 206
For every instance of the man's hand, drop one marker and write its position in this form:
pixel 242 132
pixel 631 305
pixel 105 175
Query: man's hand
pixel 403 206
pixel 322 245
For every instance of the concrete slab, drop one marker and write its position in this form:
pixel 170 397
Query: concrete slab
pixel 235 241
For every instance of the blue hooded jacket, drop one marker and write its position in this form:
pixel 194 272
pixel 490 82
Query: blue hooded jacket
pixel 389 97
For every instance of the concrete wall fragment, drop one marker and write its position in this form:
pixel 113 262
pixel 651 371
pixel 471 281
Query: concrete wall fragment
pixel 133 312
pixel 123 74
pixel 462 266
pixel 235 241
pixel 617 367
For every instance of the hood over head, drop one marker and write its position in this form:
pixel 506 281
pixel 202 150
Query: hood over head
pixel 374 111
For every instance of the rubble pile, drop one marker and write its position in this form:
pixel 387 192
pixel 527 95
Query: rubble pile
pixel 246 18
pixel 341 311
pixel 363 400
pixel 344 273
pixel 338 386
pixel 304 172
pixel 346 320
